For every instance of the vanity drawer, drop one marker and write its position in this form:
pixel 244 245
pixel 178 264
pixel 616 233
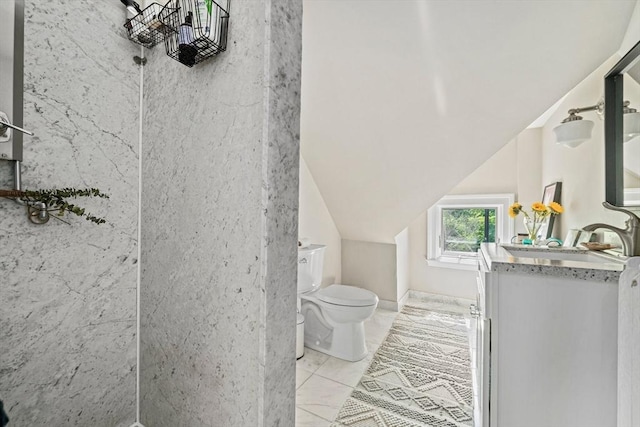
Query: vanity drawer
pixel 481 284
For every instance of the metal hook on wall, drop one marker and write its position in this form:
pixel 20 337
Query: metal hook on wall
pixel 5 127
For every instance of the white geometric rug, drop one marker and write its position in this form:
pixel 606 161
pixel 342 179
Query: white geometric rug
pixel 419 376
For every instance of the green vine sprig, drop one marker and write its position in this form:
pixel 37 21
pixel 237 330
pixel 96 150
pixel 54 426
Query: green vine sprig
pixel 56 200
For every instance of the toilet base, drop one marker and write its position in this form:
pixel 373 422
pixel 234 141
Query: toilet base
pixel 345 340
pixel 339 355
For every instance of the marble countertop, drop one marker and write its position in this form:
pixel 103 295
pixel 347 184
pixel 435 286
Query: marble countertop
pixel 503 258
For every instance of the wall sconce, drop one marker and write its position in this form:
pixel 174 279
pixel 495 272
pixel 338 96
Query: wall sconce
pixel 573 131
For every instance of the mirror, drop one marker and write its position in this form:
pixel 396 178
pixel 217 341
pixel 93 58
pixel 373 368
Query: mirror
pixel 631 145
pixel 622 153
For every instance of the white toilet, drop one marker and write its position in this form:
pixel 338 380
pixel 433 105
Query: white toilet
pixel 333 316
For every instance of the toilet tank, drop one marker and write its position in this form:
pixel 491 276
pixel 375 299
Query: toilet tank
pixel 310 262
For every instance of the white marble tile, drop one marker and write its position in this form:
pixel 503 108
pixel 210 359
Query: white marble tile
pixel 68 291
pixel 378 326
pixel 301 375
pixel 372 347
pixel 322 397
pixel 347 373
pixel 218 283
pixel 307 419
pixel 312 360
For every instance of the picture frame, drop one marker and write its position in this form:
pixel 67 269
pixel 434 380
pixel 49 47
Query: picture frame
pixel 551 193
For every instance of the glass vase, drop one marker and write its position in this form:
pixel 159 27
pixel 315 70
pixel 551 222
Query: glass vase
pixel 532 228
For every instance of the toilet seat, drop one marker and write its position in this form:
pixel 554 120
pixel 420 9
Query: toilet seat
pixel 350 296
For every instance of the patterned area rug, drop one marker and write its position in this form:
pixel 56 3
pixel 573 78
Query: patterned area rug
pixel 419 376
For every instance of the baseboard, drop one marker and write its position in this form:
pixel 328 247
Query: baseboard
pixel 393 305
pixel 403 300
pixel 396 306
pixel 446 299
pixel 388 305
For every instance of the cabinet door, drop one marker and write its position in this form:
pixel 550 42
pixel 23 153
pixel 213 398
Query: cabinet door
pixel 629 345
pixel 485 393
pixel 482 359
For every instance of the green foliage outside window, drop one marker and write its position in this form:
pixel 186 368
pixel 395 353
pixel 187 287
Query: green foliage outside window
pixel 464 229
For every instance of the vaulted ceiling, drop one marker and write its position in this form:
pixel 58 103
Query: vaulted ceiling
pixel 402 99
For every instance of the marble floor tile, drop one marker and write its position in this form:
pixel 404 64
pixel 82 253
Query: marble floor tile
pixel 372 347
pixel 307 419
pixel 323 382
pixel 377 327
pixel 322 397
pixel 311 360
pixel 347 373
pixel 301 375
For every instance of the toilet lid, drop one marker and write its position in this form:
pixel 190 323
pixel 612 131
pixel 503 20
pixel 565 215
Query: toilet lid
pixel 347 295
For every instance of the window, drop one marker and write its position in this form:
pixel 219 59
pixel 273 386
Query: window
pixel 457 225
pixel 463 229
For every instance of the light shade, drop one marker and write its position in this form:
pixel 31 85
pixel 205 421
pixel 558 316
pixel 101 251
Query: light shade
pixel 573 133
pixel 630 126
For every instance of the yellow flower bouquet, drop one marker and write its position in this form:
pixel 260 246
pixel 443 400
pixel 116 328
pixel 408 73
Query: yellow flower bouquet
pixel 539 214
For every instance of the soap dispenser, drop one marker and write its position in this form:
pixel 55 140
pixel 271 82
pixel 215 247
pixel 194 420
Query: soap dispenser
pixel 187 52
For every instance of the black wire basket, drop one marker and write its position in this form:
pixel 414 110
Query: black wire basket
pixel 145 28
pixel 195 29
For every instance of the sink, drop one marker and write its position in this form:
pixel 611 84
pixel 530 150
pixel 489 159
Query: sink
pixel 562 255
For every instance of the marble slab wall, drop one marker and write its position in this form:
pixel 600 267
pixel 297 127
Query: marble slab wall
pixel 68 291
pixel 220 200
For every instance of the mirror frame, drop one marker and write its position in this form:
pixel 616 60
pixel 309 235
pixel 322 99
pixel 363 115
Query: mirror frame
pixel 613 136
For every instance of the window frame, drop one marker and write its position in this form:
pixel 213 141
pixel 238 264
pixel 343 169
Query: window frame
pixel 505 226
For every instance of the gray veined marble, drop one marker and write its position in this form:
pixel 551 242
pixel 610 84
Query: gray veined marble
pixel 220 188
pixel 69 292
pixel 219 232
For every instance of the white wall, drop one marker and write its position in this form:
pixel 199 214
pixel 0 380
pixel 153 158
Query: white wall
pixel 632 34
pixel 380 136
pixel 513 169
pixel 403 260
pixel 580 169
pixel 315 223
pixel 525 166
pixel 435 280
pixel 372 266
pixel 520 168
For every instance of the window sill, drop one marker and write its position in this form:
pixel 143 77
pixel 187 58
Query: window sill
pixel 470 264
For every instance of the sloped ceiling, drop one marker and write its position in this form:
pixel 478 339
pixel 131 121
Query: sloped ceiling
pixel 402 99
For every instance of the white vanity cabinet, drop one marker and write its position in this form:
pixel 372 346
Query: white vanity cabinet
pixel 546 352
pixel 480 351
pixel 629 345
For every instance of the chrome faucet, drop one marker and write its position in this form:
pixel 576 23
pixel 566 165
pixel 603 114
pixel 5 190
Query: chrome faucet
pixel 630 235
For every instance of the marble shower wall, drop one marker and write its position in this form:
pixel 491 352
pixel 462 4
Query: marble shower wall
pixel 68 292
pixel 220 199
